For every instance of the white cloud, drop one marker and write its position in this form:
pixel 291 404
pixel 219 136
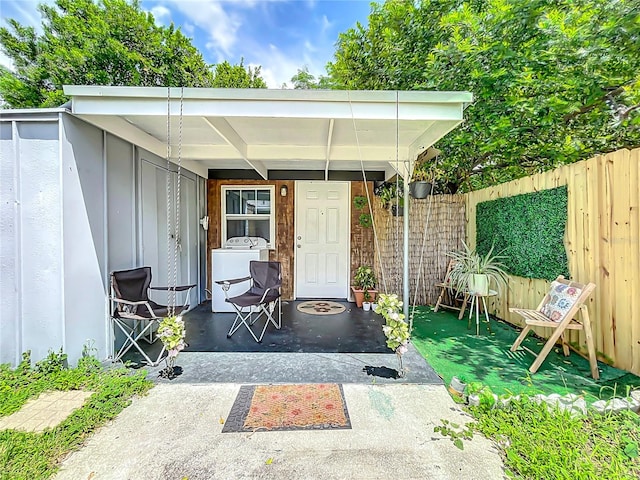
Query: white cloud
pixel 161 14
pixel 6 61
pixel 220 25
pixel 26 12
pixel 188 29
pixel 325 24
pixel 278 68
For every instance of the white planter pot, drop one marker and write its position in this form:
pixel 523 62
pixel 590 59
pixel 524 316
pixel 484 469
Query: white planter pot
pixel 479 283
pixel 456 387
pixel 374 306
pixel 366 306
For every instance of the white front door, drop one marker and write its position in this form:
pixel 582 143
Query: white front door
pixel 322 239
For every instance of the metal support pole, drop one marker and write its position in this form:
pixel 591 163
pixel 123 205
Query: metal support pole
pixel 405 256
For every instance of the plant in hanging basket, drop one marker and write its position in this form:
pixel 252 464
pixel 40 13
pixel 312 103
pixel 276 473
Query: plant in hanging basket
pixel 171 333
pixel 390 193
pixel 395 329
pixel 421 181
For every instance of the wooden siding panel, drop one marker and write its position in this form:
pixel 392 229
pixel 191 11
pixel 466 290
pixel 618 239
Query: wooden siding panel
pixel 284 241
pixel 362 241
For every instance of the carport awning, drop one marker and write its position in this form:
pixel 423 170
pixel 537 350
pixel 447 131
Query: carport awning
pixel 275 129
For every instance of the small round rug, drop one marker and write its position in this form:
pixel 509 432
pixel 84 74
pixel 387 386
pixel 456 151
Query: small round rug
pixel 321 307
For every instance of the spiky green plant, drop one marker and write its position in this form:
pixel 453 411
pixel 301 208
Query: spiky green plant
pixel 468 262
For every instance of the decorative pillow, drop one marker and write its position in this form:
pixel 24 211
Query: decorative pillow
pixel 562 298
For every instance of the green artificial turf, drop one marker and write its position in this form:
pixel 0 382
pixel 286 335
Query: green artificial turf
pixel 452 349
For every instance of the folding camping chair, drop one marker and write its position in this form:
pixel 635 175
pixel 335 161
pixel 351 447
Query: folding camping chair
pixel 134 313
pixel 557 310
pixel 262 298
pixel 448 297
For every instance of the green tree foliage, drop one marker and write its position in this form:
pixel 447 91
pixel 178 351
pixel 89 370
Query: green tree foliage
pixel 236 76
pixel 303 80
pixel 103 42
pixel 554 81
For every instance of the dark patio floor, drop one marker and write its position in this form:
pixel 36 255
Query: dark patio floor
pixel 353 331
pixel 348 347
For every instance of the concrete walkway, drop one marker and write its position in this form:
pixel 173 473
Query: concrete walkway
pixel 175 433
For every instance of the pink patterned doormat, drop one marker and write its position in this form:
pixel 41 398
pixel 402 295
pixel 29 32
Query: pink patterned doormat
pixel 313 406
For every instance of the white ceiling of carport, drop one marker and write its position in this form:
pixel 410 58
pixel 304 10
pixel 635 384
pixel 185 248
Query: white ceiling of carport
pixel 275 129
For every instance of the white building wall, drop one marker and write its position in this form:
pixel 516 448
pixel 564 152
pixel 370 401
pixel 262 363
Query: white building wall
pixel 71 212
pixel 10 337
pixel 83 238
pixel 31 282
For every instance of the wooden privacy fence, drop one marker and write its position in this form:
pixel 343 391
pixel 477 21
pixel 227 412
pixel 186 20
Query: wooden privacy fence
pixel 603 246
pixel 442 217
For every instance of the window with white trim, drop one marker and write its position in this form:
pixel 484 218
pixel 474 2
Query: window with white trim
pixel 248 211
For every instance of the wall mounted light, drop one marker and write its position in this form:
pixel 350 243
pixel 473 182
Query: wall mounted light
pixel 283 191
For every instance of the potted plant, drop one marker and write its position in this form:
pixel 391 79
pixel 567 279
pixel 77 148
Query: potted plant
pixel 422 180
pixel 457 385
pixel 366 303
pixel 171 333
pixel 364 281
pixel 397 206
pixel 391 195
pixel 475 273
pixel 396 329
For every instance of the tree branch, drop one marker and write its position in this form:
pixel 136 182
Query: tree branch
pixel 587 108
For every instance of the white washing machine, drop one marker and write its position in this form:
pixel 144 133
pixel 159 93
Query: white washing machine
pixel 232 261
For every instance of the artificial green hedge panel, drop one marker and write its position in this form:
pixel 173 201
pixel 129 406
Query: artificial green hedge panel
pixel 528 230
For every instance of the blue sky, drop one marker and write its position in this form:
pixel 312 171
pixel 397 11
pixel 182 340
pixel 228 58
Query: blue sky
pixel 280 35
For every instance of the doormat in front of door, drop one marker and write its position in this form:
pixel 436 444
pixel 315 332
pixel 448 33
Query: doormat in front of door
pixel 316 406
pixel 321 307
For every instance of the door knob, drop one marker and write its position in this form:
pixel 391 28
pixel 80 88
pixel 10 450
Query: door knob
pixel 299 246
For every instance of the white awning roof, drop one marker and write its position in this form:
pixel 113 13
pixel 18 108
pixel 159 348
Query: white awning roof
pixel 275 129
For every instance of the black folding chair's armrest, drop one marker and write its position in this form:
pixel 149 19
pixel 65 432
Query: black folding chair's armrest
pixel 127 302
pixel 132 304
pixel 232 281
pixel 264 295
pixel 181 288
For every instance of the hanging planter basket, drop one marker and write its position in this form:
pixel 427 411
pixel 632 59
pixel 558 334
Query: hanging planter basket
pixel 420 189
pixel 397 210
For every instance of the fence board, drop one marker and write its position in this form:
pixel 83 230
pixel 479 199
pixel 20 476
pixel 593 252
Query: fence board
pixel 634 260
pixel 603 246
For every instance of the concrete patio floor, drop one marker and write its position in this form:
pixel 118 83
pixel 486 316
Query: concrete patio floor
pixel 175 432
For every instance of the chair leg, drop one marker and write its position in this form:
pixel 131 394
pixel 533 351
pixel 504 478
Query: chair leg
pixel 593 360
pixel 565 344
pixel 520 338
pixel 464 306
pixel 435 309
pixel 132 341
pixel 545 350
pixel 241 319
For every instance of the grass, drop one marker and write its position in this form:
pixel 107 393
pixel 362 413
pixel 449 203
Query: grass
pixel 37 455
pixel 536 443
pixel 540 443
pixel 452 349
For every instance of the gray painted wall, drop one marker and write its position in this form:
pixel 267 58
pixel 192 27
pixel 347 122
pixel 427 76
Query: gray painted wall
pixel 75 205
pixel 83 238
pixel 31 275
